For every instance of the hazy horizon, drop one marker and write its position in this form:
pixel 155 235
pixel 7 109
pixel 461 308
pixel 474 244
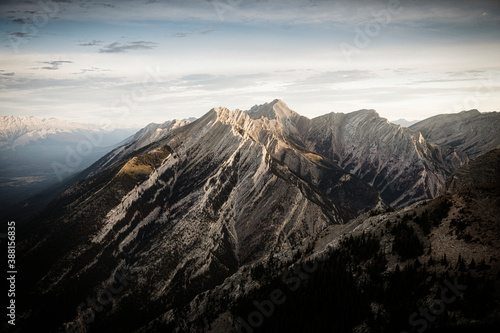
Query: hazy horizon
pixel 139 126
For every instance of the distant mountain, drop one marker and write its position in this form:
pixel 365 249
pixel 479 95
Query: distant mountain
pixel 472 132
pixel 37 153
pixel 404 122
pixel 18 131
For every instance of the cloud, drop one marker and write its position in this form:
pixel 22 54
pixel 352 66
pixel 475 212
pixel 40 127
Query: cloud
pixel 31 84
pixel 194 32
pixel 117 47
pixel 273 12
pixel 180 35
pixel 54 65
pixel 455 76
pixel 210 82
pixel 93 69
pixel 472 72
pixel 92 43
pixel 3 73
pixel 21 34
pixel 110 5
pixel 21 20
pixel 332 77
pixel 401 70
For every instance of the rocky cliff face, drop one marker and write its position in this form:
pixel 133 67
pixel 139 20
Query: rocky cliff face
pixel 433 265
pixel 398 162
pixel 483 170
pixel 472 132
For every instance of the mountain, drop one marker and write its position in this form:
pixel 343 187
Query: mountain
pixel 38 153
pixel 472 132
pixel 187 208
pixel 397 161
pixel 431 266
pixel 404 122
pixel 198 226
pixel 18 131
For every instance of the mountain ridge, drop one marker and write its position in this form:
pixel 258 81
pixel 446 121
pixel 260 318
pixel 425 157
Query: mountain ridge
pixel 451 235
pixel 203 209
pixel 472 132
pixel 392 158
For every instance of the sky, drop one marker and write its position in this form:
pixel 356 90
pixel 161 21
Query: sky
pixel 136 62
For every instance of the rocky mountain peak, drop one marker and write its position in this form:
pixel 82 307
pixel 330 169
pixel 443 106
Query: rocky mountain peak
pixel 274 110
pixel 366 112
pixel 469 113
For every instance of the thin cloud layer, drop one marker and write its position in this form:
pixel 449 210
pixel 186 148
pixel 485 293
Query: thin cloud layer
pixel 92 43
pixel 54 65
pixel 258 11
pixel 117 47
pixel 3 73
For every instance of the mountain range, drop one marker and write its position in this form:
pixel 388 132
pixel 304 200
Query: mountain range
pixel 210 218
pixel 39 153
pixel 404 122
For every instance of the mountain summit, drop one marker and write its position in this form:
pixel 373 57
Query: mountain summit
pixel 275 109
